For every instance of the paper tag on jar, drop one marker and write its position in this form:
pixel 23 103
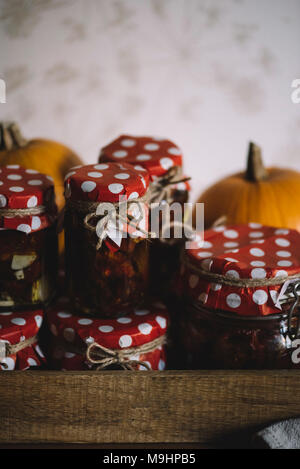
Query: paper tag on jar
pixel 286 291
pixel 114 232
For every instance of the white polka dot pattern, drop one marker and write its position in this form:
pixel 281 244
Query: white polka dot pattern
pixel 157 155
pixel 260 297
pixel 115 180
pixel 145 328
pixel 125 341
pixel 233 300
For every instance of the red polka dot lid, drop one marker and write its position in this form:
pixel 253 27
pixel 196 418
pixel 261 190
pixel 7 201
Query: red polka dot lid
pixel 133 330
pixel 156 155
pixel 106 182
pixel 27 189
pixel 16 327
pixel 241 268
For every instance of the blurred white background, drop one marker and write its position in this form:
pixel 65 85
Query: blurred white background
pixel 209 74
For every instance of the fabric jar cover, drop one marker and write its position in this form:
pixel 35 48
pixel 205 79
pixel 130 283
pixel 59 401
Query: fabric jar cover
pixel 111 183
pixel 15 328
pixel 106 183
pixel 71 332
pixel 155 154
pixel 241 269
pixel 27 189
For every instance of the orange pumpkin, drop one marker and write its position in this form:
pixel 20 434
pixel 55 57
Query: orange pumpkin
pixel 46 156
pixel 268 196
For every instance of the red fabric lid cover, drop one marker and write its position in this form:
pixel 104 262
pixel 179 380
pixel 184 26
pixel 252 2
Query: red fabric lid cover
pixel 16 327
pixel 106 182
pixel 129 331
pixel 22 188
pixel 155 154
pixel 132 330
pixel 242 252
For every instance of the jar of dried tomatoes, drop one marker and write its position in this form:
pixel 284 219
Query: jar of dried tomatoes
pixel 106 241
pixel 28 247
pixel 163 161
pixel 241 291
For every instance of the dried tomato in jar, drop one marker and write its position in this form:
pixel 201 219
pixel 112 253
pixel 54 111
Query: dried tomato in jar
pixel 28 247
pixel 163 161
pixel 240 289
pixel 106 224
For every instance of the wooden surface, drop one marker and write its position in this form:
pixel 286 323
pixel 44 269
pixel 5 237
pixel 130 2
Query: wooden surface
pixel 142 407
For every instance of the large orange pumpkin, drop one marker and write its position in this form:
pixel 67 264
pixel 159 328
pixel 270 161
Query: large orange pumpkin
pixel 268 196
pixel 45 156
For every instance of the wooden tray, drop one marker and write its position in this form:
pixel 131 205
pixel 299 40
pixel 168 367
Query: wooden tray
pixel 142 407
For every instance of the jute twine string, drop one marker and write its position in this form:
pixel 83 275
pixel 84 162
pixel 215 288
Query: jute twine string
pixel 161 188
pixel 222 220
pixel 22 212
pixel 234 282
pixel 10 349
pixel 101 357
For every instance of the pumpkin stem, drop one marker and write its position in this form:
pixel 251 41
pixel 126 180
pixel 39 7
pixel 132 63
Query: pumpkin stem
pixel 10 136
pixel 255 168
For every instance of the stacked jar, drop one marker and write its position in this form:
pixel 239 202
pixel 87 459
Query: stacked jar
pixel 28 262
pixel 108 323
pixel 240 291
pixel 162 159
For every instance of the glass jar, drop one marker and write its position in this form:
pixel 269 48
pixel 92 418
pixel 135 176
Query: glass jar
pixel 28 247
pixel 163 161
pixel 165 251
pixel 241 309
pixel 221 340
pixel 107 272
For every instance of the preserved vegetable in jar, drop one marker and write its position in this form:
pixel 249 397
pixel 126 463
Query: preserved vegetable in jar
pixel 163 161
pixel 213 339
pixel 106 224
pixel 240 288
pixel 28 247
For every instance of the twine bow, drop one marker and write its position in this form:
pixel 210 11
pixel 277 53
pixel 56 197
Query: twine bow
pixel 6 349
pixel 111 216
pixel 97 354
pixel 162 186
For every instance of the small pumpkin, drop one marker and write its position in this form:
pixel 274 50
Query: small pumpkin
pixel 267 196
pixel 46 156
